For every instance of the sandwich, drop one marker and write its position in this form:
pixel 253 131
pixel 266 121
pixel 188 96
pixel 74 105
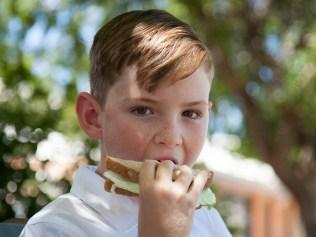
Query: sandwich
pixel 122 177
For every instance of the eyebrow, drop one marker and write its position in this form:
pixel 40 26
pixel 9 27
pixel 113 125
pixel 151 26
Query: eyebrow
pixel 193 103
pixel 141 99
pixel 153 101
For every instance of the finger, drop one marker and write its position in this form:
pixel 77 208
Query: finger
pixel 198 183
pixel 165 170
pixel 148 170
pixel 176 173
pixel 184 178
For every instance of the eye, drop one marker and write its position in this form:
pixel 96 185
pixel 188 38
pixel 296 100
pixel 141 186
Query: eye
pixel 141 111
pixel 192 114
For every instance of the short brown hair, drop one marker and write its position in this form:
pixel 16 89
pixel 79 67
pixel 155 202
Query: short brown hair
pixel 160 45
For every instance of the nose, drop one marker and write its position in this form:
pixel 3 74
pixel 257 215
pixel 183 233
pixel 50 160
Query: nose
pixel 169 135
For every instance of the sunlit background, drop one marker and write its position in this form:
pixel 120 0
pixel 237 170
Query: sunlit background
pixel 262 131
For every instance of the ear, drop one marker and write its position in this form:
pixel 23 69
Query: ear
pixel 210 105
pixel 88 111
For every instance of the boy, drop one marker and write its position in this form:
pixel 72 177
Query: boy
pixel 150 82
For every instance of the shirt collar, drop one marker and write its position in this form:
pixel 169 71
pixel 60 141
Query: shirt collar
pixel 120 212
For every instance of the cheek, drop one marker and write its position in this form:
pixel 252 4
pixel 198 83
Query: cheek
pixel 122 140
pixel 194 142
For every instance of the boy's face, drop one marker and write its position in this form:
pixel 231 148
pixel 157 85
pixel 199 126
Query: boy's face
pixel 169 123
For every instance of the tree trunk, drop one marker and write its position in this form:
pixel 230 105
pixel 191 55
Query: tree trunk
pixel 308 207
pixel 298 175
pixel 275 144
pixel 304 191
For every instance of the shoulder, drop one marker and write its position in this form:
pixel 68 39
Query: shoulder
pixel 55 219
pixel 63 205
pixel 48 229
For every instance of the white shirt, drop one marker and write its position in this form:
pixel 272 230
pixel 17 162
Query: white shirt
pixel 90 211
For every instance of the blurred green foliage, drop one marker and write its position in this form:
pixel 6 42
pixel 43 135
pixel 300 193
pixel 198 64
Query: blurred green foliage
pixel 34 100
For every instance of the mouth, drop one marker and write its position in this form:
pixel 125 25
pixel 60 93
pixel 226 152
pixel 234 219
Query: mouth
pixel 174 161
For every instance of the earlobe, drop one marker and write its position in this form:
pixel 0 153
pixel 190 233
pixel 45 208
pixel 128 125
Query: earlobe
pixel 210 105
pixel 88 111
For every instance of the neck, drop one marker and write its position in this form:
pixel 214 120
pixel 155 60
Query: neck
pixel 101 167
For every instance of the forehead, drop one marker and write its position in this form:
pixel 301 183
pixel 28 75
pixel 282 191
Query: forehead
pixel 194 87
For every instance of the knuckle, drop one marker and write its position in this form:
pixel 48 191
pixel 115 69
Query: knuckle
pixel 146 163
pixel 186 170
pixel 149 162
pixel 166 191
pixel 161 188
pixel 178 193
pixel 167 163
pixel 184 199
pixel 189 202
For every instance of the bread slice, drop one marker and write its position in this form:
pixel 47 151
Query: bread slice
pixel 128 169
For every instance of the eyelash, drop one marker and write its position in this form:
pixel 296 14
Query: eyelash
pixel 137 109
pixel 142 111
pixel 197 113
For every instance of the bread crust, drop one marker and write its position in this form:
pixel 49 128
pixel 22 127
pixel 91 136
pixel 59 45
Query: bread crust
pixel 125 172
pixel 108 186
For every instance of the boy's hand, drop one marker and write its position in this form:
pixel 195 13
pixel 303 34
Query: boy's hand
pixel 167 206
